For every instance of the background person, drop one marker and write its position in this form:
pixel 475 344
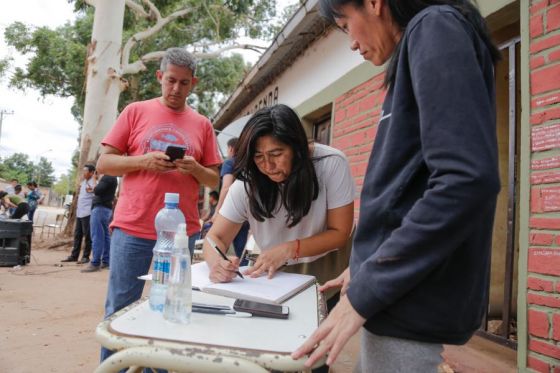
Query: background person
pixel 101 210
pixel 134 149
pixel 227 178
pixel 418 273
pixel 14 203
pixel 83 213
pixel 34 198
pixel 297 197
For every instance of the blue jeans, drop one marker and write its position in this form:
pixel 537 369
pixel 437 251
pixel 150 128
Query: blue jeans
pixel 131 257
pixel 100 237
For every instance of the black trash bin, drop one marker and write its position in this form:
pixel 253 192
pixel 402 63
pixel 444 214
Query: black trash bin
pixel 15 242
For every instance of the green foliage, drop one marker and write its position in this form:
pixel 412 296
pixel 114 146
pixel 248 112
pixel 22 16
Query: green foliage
pixel 64 185
pixel 44 172
pixel 57 56
pixel 18 166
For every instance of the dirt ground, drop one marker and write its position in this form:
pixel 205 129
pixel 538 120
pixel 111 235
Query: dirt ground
pixel 49 314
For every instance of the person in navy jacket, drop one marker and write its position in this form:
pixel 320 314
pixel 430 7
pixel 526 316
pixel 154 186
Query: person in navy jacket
pixel 418 275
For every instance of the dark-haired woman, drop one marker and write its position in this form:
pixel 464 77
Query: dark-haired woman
pixel 15 202
pixel 418 273
pixel 297 197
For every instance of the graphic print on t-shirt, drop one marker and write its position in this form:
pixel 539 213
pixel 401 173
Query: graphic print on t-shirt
pixel 160 137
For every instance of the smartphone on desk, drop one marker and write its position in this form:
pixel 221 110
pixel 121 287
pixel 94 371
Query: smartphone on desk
pixel 261 309
pixel 174 152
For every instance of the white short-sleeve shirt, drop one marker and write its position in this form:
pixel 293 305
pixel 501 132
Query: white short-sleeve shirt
pixel 336 189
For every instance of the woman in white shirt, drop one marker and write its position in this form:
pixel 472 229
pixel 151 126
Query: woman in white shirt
pixel 297 197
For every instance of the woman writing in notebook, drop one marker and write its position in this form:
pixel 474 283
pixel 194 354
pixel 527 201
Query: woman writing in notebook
pixel 297 197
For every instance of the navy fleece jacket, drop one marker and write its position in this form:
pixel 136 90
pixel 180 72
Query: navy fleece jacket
pixel 419 266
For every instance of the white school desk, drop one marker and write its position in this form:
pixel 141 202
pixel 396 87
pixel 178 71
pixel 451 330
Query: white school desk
pixel 210 343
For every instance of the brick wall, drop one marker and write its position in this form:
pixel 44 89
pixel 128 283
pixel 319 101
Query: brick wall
pixel 356 114
pixel 543 284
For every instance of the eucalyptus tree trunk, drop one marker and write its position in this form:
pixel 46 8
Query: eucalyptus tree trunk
pixel 103 85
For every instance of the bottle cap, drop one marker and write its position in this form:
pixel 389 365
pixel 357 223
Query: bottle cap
pixel 172 198
pixel 181 238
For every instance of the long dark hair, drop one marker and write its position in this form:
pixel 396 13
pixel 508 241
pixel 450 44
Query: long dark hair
pixel 402 11
pixel 300 188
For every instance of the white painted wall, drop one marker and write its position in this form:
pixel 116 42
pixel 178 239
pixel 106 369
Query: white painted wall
pixel 326 61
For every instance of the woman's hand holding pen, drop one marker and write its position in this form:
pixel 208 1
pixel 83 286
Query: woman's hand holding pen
pixel 222 270
pixel 272 259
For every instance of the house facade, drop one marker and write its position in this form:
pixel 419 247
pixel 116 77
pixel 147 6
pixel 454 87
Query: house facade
pixel 311 68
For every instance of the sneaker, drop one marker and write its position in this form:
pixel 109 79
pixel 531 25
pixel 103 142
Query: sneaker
pixel 83 261
pixel 91 268
pixel 69 259
pixel 104 265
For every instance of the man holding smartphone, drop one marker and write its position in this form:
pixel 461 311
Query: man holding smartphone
pixel 135 149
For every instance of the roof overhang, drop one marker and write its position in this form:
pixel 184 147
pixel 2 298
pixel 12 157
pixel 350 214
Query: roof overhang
pixel 305 26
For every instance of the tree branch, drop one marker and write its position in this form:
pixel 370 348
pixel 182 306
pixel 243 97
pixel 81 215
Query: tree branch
pixel 206 55
pixel 139 65
pixel 161 22
pixel 137 9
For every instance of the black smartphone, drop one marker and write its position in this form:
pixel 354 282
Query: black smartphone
pixel 175 152
pixel 261 309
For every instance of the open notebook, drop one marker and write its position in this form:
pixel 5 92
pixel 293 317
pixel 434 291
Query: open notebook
pixel 276 290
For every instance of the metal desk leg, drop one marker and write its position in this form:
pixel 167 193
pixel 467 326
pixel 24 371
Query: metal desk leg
pixel 176 360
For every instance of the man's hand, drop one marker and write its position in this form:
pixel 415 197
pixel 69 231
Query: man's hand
pixel 157 162
pixel 342 282
pixel 333 333
pixel 223 271
pixel 187 165
pixel 270 260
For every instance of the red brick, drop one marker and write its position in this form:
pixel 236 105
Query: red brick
pixel 544 44
pixel 537 62
pixel 544 261
pixel 543 300
pixel 339 115
pixel 536 27
pixel 545 100
pixel 554 56
pixel 546 163
pixel 538 365
pixel 352 111
pixel 545 177
pixel 544 348
pixel 545 80
pixel 556 326
pixel 546 115
pixel 541 239
pixel 544 223
pixel 558 244
pixel 536 200
pixel 545 199
pixel 553 18
pixel 538 324
pixel 538 5
pixel 367 103
pixel 538 284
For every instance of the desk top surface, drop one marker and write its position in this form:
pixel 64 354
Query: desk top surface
pixel 253 333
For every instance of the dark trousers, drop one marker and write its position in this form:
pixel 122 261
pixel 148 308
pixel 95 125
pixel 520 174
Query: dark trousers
pixel 81 230
pixel 21 210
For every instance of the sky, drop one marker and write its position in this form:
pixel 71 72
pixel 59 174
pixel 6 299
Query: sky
pixel 41 127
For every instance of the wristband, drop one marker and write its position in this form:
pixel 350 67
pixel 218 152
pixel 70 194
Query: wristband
pixel 296 255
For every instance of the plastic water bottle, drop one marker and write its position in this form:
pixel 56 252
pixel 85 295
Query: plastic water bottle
pixel 178 300
pixel 167 222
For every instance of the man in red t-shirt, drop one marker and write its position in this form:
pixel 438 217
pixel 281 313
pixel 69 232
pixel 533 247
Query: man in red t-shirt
pixel 135 149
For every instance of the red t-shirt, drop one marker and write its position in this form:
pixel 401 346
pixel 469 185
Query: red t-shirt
pixel 150 126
